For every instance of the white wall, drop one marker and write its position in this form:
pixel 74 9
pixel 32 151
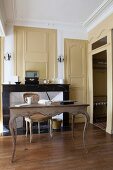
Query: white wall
pixel 74 33
pixel 9 48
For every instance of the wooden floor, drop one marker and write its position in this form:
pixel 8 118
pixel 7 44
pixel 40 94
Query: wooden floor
pixel 59 153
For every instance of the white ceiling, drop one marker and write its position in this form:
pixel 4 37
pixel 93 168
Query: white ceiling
pixel 65 12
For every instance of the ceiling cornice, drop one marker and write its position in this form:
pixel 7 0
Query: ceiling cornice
pixel 102 12
pixel 48 24
pixel 13 9
pixel 2 19
pixel 2 10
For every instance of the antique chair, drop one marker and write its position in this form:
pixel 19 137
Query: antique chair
pixel 37 117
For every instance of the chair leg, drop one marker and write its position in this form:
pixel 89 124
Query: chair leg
pixel 39 127
pixel 50 126
pixel 26 128
pixel 30 126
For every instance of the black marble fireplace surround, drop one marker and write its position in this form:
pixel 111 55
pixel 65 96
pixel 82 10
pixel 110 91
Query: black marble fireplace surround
pixel 7 89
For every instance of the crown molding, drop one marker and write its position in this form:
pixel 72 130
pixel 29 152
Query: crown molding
pixel 102 12
pixel 2 11
pixel 2 19
pixel 48 24
pixel 43 23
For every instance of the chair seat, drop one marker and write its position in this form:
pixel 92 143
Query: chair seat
pixel 37 117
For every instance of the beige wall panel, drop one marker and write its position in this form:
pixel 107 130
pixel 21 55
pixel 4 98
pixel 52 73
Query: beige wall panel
pixel 36 42
pixel 52 60
pixel 36 49
pixel 39 57
pixel 20 61
pixel 77 94
pixel 75 62
pixel 77 82
pixel 40 67
pixel 36 45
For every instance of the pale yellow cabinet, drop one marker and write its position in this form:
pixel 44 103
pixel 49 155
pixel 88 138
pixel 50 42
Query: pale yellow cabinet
pixel 35 50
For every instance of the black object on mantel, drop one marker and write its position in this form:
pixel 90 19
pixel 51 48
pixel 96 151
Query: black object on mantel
pixel 18 82
pixel 7 89
pixel 31 80
pixel 66 102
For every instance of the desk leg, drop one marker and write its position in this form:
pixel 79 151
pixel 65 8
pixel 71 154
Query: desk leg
pixel 13 130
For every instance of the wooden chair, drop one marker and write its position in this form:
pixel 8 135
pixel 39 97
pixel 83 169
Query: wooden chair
pixel 37 117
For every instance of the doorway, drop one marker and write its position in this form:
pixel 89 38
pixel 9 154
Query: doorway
pixel 100 89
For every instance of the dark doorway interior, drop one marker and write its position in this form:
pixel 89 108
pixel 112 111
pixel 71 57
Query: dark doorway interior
pixel 100 89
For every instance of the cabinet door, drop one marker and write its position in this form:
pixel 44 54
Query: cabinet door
pixel 75 68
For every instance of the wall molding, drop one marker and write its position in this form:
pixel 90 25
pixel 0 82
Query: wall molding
pixel 43 23
pixel 2 19
pixel 47 24
pixel 102 12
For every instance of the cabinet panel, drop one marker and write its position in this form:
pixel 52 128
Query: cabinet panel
pixel 36 42
pixel 75 62
pixel 40 67
pixel 77 82
pixel 37 57
pixel 36 49
pixel 19 52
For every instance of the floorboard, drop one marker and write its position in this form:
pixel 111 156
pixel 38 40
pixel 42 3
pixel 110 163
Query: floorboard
pixel 59 153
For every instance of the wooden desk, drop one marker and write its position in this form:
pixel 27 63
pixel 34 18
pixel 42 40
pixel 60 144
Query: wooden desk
pixel 54 109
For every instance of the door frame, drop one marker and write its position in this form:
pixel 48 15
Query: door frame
pixel 108 47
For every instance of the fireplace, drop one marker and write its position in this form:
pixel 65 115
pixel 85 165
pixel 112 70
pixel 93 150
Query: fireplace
pixel 10 92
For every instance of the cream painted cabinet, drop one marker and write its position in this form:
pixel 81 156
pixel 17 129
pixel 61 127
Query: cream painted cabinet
pixel 75 69
pixel 35 50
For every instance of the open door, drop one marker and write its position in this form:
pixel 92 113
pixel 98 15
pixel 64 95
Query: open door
pixel 100 89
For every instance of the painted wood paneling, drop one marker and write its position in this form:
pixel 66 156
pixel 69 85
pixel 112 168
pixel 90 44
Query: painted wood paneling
pixel 36 49
pixel 75 68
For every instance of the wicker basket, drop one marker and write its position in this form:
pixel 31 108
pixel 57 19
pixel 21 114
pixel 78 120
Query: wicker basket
pixel 56 123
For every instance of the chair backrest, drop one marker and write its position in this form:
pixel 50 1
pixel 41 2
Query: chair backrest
pixel 35 97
